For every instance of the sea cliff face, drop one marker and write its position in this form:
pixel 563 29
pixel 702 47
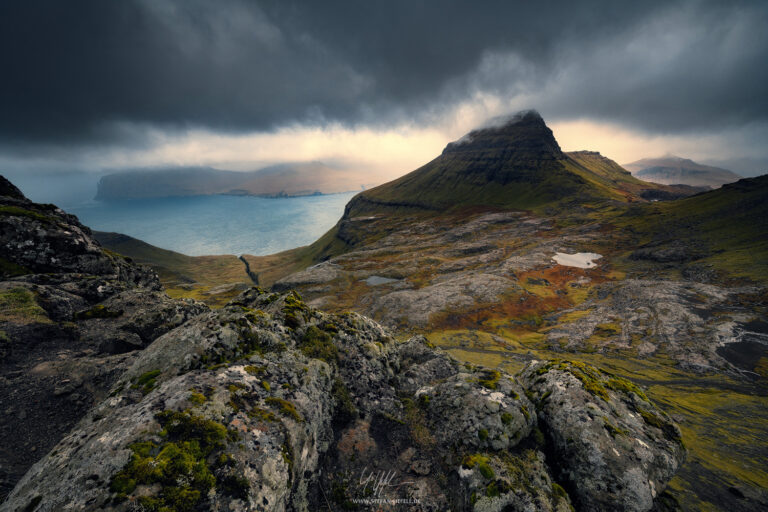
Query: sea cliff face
pixel 130 398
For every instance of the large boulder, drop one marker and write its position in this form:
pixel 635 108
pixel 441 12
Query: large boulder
pixel 616 450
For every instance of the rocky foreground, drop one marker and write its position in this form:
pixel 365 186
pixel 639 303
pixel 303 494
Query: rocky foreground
pixel 134 400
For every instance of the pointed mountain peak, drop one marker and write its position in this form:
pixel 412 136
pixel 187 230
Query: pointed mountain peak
pixel 524 131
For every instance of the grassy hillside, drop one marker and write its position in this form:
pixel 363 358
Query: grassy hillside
pixel 211 279
pixel 518 166
pixel 618 183
pixel 725 228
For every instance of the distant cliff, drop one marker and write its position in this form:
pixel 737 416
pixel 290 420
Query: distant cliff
pixel 276 181
pixel 673 170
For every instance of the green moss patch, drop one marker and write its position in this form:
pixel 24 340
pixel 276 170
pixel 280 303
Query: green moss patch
pixel 318 344
pixel 97 311
pixel 146 382
pixel 17 211
pixel 480 462
pixel 490 379
pixel 179 463
pixel 255 370
pixel 607 330
pixel 558 491
pixel 197 398
pixel 295 311
pixel 262 414
pixel 285 408
pixel 625 386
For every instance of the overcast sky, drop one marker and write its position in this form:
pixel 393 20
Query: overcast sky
pixel 383 85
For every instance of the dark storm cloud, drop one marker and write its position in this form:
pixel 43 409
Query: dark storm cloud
pixel 89 71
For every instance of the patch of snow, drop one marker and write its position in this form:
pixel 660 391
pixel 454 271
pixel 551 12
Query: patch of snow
pixel 580 259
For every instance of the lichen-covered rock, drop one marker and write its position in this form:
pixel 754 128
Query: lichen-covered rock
pixel 521 482
pixel 615 449
pixel 41 238
pixel 290 391
pixel 235 376
pixel 475 408
pixel 268 404
pixel 72 317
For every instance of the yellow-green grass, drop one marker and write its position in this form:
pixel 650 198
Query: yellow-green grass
pixel 183 276
pixel 728 226
pixel 18 305
pixel 574 316
pixel 208 272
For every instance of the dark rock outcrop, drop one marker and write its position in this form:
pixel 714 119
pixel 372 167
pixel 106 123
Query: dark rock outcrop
pixel 72 316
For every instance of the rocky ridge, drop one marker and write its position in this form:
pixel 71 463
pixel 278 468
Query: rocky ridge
pixel 269 404
pixel 72 318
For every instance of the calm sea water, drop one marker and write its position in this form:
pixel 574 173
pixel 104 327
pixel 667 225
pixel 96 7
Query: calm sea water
pixel 197 225
pixel 203 225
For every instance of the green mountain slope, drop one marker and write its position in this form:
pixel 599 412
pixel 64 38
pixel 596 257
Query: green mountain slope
pixel 514 163
pixel 619 183
pixel 726 228
pixel 511 163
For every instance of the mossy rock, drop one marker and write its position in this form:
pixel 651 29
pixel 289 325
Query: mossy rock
pixel 179 465
pixel 97 311
pixel 490 379
pixel 147 381
pixel 17 211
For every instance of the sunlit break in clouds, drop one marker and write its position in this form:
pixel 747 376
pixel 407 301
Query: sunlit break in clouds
pixel 378 87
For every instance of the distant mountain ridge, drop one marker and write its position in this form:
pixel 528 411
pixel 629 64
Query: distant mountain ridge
pixel 674 170
pixel 299 179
